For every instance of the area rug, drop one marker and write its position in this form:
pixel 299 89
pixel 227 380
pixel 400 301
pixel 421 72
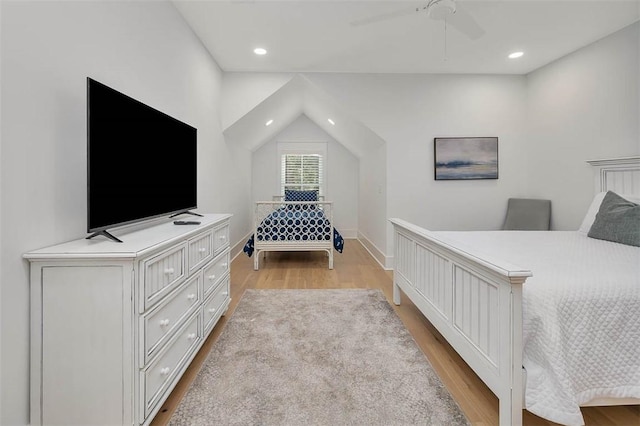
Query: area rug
pixel 316 357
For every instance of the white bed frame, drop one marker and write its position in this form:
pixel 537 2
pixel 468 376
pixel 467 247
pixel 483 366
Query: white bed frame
pixel 265 208
pixel 476 302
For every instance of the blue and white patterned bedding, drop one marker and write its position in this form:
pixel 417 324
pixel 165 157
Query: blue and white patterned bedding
pixel 296 223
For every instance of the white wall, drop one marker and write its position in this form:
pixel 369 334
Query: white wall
pixel 583 106
pixel 48 49
pixel 342 187
pixel 372 199
pixel 341 172
pixel 408 111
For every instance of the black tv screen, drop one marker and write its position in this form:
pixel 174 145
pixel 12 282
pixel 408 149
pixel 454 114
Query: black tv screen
pixel 141 162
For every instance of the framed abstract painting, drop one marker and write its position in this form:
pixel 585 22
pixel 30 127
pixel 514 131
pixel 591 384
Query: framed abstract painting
pixel 465 158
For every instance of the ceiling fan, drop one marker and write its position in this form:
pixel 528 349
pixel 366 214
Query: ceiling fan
pixel 439 10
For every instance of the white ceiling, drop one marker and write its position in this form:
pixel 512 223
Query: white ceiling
pixel 319 36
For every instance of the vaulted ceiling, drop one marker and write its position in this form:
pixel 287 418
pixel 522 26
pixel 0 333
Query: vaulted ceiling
pixel 296 97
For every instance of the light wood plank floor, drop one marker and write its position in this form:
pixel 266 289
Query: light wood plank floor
pixel 355 268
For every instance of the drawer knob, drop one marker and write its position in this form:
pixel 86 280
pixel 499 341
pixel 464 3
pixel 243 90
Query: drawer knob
pixel 225 294
pixel 212 310
pixel 191 336
pixel 164 322
pixel 169 271
pixel 224 265
pixel 191 296
pixel 223 237
pixel 211 277
pixel 202 250
pixel 165 371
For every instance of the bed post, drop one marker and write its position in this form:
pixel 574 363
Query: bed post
pixel 396 294
pixel 511 403
pixel 399 267
pixel 517 384
pixel 330 251
pixel 256 224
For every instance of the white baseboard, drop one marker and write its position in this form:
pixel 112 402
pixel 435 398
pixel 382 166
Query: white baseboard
pixel 385 261
pixel 349 234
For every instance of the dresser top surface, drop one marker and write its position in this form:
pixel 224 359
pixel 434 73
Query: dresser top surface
pixel 136 241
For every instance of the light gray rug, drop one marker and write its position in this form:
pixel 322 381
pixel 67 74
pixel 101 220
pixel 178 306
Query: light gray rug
pixel 316 357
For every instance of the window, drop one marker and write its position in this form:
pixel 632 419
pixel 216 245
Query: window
pixel 302 172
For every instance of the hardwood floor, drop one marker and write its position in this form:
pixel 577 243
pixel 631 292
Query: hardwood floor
pixel 355 268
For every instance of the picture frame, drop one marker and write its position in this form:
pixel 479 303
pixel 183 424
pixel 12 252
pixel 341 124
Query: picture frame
pixel 465 158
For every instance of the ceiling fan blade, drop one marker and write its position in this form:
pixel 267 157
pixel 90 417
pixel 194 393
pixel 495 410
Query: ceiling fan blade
pixel 383 17
pixel 466 24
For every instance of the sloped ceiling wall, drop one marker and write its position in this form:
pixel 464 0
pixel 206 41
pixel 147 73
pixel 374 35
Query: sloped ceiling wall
pixel 295 97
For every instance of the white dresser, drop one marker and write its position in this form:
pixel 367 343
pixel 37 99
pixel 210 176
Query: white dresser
pixel 115 325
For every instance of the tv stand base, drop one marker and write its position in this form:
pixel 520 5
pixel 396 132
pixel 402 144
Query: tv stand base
pixel 185 212
pixel 106 234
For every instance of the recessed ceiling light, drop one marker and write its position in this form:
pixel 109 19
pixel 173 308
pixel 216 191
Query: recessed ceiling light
pixel 260 51
pixel 331 122
pixel 515 55
pixel 268 123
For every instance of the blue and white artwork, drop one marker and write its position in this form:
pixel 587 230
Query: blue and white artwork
pixel 466 158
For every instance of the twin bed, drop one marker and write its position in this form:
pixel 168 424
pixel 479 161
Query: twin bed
pixel 297 221
pixel 559 331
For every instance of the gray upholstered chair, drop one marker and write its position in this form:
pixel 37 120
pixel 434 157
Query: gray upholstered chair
pixel 525 214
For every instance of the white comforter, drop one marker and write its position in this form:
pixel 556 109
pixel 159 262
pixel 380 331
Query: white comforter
pixel 581 316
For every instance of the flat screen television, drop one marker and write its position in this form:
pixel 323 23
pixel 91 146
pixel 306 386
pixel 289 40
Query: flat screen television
pixel 141 163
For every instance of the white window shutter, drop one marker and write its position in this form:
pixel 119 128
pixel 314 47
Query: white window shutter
pixel 302 172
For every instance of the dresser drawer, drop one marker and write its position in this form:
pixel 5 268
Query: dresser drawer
pixel 214 272
pixel 155 381
pixel 159 324
pixel 220 239
pixel 215 305
pixel 200 250
pixel 162 273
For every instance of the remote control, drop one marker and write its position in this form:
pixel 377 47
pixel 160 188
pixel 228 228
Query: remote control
pixel 185 222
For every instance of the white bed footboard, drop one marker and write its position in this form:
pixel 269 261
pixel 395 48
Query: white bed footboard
pixel 475 303
pixel 293 226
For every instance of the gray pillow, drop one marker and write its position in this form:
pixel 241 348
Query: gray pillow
pixel 618 220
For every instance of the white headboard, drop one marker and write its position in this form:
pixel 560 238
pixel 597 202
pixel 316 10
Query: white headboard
pixel 621 175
